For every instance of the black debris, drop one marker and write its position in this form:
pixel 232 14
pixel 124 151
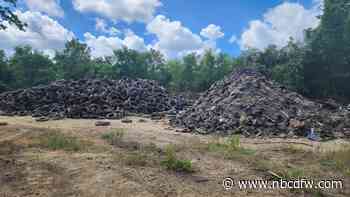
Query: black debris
pixel 248 103
pixel 96 99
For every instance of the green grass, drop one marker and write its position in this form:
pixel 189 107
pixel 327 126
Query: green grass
pixel 58 141
pixel 171 162
pixel 234 143
pixel 231 148
pixel 114 137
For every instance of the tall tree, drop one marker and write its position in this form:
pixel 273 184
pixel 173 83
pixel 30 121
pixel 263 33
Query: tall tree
pixel 30 68
pixel 156 69
pixel 130 63
pixel 206 71
pixel 5 73
pixel 74 62
pixel 327 67
pixel 289 66
pixel 176 69
pixel 189 72
pixel 223 66
pixel 102 67
pixel 8 17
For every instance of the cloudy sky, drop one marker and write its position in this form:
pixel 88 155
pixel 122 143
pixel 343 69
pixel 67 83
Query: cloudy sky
pixel 175 27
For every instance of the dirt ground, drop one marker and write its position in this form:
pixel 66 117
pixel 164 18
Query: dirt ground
pixel 100 170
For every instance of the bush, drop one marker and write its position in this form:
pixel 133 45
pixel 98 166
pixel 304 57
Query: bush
pixel 172 163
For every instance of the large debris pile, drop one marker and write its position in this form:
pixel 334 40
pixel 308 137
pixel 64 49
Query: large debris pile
pixel 247 102
pixel 90 99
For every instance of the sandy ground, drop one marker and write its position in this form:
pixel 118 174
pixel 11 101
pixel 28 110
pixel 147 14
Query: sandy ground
pixel 99 170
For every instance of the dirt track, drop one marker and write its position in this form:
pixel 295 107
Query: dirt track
pixel 99 170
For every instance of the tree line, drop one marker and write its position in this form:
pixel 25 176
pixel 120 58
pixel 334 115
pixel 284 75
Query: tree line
pixel 28 67
pixel 317 67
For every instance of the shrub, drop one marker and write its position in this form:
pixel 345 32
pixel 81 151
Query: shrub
pixel 172 163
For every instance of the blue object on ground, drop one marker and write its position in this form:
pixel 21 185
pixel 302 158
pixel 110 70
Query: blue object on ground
pixel 313 136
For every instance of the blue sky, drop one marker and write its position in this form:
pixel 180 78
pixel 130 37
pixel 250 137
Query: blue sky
pixel 175 27
pixel 232 15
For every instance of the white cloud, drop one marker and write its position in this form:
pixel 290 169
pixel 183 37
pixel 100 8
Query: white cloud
pixel 319 4
pixel 101 45
pixel 101 25
pixel 104 46
pixel 278 25
pixel 132 41
pixel 126 10
pixel 43 33
pixel 233 39
pixel 172 37
pixel 174 40
pixel 212 32
pixel 50 7
pixel 206 45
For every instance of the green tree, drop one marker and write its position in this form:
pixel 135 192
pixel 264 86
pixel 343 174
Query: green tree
pixel 289 68
pixel 189 77
pixel 285 65
pixel 8 17
pixel 327 65
pixel 129 63
pixel 6 76
pixel 176 70
pixel 30 68
pixel 156 67
pixel 205 71
pixel 263 60
pixel 102 67
pixel 224 65
pixel 74 62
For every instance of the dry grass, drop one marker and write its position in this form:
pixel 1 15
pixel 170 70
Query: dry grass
pixel 293 149
pixel 137 159
pixel 146 155
pixel 338 160
pixel 114 137
pixel 230 149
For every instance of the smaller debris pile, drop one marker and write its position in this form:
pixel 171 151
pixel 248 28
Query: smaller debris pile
pixel 247 102
pixel 110 99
